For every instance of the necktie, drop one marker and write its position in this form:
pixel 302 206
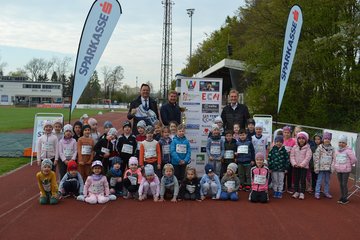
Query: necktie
pixel 146 104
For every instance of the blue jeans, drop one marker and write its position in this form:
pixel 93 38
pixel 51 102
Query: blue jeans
pixel 326 176
pixel 232 196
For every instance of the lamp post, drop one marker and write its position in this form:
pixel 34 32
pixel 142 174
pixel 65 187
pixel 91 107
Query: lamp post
pixel 190 12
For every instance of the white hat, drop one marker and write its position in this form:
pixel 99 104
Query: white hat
pixel 141 124
pixel 214 126
pixel 96 163
pixel 68 127
pixel 112 132
pixel 342 138
pixel 47 123
pixel 218 119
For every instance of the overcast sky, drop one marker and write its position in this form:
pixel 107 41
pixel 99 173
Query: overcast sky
pixel 47 28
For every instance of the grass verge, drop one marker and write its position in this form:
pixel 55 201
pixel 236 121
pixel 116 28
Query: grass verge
pixel 9 164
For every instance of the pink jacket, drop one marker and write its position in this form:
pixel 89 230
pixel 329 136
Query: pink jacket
pixel 67 149
pixel 96 187
pixel 259 179
pixel 155 180
pixel 343 161
pixel 301 157
pixel 289 144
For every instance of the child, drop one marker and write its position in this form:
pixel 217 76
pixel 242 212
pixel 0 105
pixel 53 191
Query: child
pixel 85 152
pixel 157 132
pixel 72 182
pixel 229 151
pixel 132 178
pixel 236 131
pixel 210 183
pixel 47 146
pixel 180 152
pixel 150 184
pixel 47 183
pixel 250 131
pixel 190 186
pixel 259 180
pixel 219 122
pixel 278 163
pixel 126 145
pixel 150 150
pixel 107 126
pixel 114 177
pixel 96 189
pixel 94 133
pixel 104 147
pixel 245 156
pixel 300 157
pixel 311 176
pixel 260 141
pixel 173 128
pixel 215 149
pixel 289 143
pixel 344 159
pixel 84 119
pixel 165 142
pixel 323 158
pixel 77 129
pixel 230 184
pixel 297 129
pixel 58 125
pixel 67 149
pixel 141 126
pixel 169 184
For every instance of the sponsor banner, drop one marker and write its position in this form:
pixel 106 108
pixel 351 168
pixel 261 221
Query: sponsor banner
pixel 292 35
pixel 209 118
pixel 210 96
pixel 190 97
pixel 210 108
pixel 209 86
pixel 99 25
pixel 191 103
pixel 50 105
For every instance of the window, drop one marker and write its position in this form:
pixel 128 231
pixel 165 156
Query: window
pixel 31 86
pixel 4 98
pixel 50 86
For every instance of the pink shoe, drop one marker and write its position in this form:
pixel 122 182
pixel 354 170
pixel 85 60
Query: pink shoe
pixel 317 195
pixel 327 195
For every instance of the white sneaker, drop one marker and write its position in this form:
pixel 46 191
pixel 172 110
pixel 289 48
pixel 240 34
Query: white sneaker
pixel 296 195
pixel 302 196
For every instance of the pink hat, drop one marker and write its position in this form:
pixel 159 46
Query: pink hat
pixel 133 160
pixel 303 134
pixel 259 155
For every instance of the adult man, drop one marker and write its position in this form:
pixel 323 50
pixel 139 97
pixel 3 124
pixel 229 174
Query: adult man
pixel 142 108
pixel 170 111
pixel 234 112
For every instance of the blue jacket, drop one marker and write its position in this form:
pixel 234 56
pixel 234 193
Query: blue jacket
pixel 245 158
pixel 206 179
pixel 177 156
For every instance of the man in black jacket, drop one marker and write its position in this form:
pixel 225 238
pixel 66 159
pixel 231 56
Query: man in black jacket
pixel 234 112
pixel 147 104
pixel 170 111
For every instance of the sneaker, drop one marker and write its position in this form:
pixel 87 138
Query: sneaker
pixel 279 194
pixel 317 195
pixel 240 187
pixel 247 189
pixel 296 195
pixel 327 195
pixel 276 195
pixel 302 196
pixel 340 200
pixel 290 191
pixel 344 201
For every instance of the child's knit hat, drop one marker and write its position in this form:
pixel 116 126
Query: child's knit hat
pixel 92 121
pixel 46 162
pixel 259 125
pixel 304 135
pixel 218 119
pixel 327 135
pixel 68 127
pixel 149 130
pixel 209 168
pixel 141 124
pixel 342 138
pixel 279 138
pixel 96 163
pixel 214 126
pixel 112 132
pixel 72 165
pixel 259 155
pixel 116 159
pixel 149 170
pixel 127 123
pixel 287 128
pixel 108 124
pixel 233 167
pixel 47 123
pixel 58 121
pixel 133 160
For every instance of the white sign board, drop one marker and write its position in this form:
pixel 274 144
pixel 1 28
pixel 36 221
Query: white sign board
pixel 266 121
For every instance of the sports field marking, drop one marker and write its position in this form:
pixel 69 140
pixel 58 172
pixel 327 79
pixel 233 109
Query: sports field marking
pixel 16 207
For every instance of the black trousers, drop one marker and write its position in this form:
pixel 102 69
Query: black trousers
pixel 300 180
pixel 261 197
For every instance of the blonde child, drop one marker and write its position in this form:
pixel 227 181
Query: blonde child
pixel 259 180
pixel 210 183
pixel 157 130
pixel 67 149
pixel 215 149
pixel 230 184
pixel 94 132
pixel 46 180
pixel 47 146
pixel 236 131
pixel 85 152
pixel 165 142
pixel 132 178
pixel 84 119
pixel 72 182
pixel 323 157
pixel 150 152
pixel 58 125
pixel 190 186
pixel 300 156
pixel 150 184
pixel 344 159
pixel 169 184
pixel 173 128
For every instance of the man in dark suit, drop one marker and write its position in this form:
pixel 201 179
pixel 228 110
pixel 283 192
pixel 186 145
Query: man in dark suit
pixel 145 103
pixel 170 111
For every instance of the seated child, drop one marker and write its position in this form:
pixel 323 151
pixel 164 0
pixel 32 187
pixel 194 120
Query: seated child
pixel 132 178
pixel 114 176
pixel 47 183
pixel 259 180
pixel 210 183
pixel 96 188
pixel 150 184
pixel 72 182
pixel 169 183
pixel 190 186
pixel 230 184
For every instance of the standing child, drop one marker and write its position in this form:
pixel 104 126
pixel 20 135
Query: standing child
pixel 77 130
pixel 300 157
pixel 245 156
pixel 114 177
pixel 344 159
pixel 180 152
pixel 259 180
pixel 67 149
pixel 236 131
pixel 250 131
pixel 84 119
pixel 311 176
pixel 229 151
pixel 94 132
pixel 47 146
pixel 126 145
pixel 173 128
pixel 47 183
pixel 96 189
pixel 72 182
pixel 107 126
pixel 219 122
pixel 230 184
pixel 104 148
pixel 150 150
pixel 58 125
pixel 210 183
pixel 157 130
pixel 150 184
pixel 215 149
pixel 141 126
pixel 132 178
pixel 260 141
pixel 165 142
pixel 85 152
pixel 278 163
pixel 289 143
pixel 190 186
pixel 169 184
pixel 323 158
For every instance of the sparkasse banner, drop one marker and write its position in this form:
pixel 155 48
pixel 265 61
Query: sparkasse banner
pixel 99 25
pixel 292 35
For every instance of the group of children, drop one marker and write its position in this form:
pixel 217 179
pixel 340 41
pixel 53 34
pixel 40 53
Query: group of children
pixel 97 168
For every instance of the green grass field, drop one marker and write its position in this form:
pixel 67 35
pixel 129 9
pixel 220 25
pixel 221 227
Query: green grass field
pixel 8 164
pixel 15 118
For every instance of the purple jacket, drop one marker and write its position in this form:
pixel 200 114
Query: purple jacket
pixel 343 161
